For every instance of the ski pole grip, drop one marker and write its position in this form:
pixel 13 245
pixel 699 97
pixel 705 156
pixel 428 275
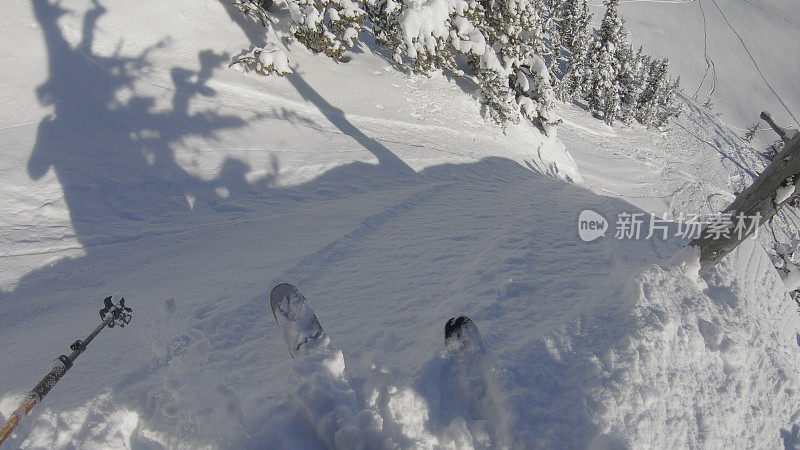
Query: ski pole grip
pixel 60 367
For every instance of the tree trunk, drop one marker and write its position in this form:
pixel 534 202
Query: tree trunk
pixel 756 204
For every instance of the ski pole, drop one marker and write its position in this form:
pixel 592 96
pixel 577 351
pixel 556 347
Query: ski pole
pixel 112 315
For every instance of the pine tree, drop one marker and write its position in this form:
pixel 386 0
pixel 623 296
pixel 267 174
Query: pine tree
pixel 641 65
pixel 535 94
pixel 327 26
pixel 628 87
pixel 514 28
pixel 750 134
pixel 576 37
pixel 435 44
pixel 667 101
pixel 498 98
pixel 385 24
pixel 654 90
pixel 657 104
pixel 555 52
pixel 607 62
pixel 575 22
pixel 502 39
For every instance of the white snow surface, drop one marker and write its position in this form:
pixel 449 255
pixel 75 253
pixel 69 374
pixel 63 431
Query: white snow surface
pixel 735 51
pixel 137 162
pixel 783 193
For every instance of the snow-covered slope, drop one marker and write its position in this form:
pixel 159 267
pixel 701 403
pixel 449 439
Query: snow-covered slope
pixel 737 52
pixel 138 162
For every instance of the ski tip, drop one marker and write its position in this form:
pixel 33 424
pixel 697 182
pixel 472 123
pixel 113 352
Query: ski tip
pixel 279 294
pixel 461 334
pixel 282 288
pixel 456 326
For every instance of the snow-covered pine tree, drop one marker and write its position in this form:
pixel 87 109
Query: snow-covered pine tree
pixel 327 26
pixel 514 30
pixel 536 94
pixel 641 67
pixel 554 52
pixel 667 106
pixel 657 103
pixel 498 98
pixel 607 61
pixel 500 38
pixel 428 36
pixel 576 38
pixel 256 9
pixel 628 88
pixel 266 60
pixel 648 104
pixel 575 22
pixel 384 16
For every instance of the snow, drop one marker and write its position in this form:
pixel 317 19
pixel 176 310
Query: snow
pixel 783 193
pixel 687 260
pixel 422 23
pixel 137 162
pixel 733 50
pixel 791 278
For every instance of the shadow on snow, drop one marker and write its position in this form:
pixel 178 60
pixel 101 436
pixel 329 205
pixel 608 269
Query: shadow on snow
pixel 127 199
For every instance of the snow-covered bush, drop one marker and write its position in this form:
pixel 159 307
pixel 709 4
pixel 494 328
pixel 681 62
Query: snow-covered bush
pixel 327 26
pixel 266 60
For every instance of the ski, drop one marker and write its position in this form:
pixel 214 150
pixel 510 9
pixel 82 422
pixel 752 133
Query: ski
pixel 296 320
pixel 461 334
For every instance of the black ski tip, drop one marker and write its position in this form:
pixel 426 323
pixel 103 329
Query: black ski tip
pixel 281 290
pixel 455 325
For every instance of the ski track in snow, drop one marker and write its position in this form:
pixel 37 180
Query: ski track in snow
pixel 755 64
pixel 709 62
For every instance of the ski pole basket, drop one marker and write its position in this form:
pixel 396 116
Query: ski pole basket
pixel 114 313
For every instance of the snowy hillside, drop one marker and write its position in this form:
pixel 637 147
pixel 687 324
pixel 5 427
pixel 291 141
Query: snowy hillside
pixel 137 161
pixel 734 52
